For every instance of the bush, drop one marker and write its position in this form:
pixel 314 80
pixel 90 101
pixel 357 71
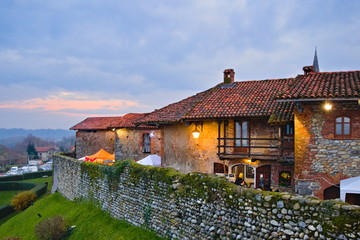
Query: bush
pixel 53 228
pixel 23 200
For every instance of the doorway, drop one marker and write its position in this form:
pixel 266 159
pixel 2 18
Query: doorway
pixel 244 171
pixel 265 173
pixel 332 192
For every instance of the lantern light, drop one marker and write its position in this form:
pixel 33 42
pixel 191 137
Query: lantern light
pixel 327 106
pixel 196 133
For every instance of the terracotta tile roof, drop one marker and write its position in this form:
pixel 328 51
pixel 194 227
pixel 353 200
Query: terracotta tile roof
pixel 96 123
pixel 128 121
pixel 176 111
pixel 103 123
pixel 43 149
pixel 325 85
pixel 243 99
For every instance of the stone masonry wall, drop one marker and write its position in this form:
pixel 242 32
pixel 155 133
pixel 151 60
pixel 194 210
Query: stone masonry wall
pixel 89 142
pixel 322 158
pixel 200 206
pixel 129 143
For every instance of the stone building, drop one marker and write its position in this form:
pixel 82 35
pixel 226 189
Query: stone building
pixel 235 127
pixel 135 141
pixel 327 130
pixel 116 135
pixel 278 129
pixel 93 134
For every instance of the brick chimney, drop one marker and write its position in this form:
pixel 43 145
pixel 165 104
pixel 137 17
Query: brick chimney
pixel 229 76
pixel 308 69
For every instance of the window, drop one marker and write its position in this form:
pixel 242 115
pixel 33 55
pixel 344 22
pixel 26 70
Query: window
pixel 220 168
pixel 285 178
pixel 146 143
pixel 289 129
pixel 242 131
pixel 342 126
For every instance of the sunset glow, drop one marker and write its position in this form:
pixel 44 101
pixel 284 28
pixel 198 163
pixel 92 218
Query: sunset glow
pixel 68 101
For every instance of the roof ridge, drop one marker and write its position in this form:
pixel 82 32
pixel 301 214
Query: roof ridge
pixel 261 80
pixel 312 73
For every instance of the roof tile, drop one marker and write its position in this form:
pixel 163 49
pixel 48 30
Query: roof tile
pixel 325 85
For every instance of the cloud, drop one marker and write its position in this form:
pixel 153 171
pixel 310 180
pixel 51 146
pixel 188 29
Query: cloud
pixel 69 101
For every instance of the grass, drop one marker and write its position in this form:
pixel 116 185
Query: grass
pixel 91 222
pixel 49 180
pixel 6 196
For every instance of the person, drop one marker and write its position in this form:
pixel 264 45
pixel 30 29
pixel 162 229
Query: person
pixel 261 182
pixel 241 182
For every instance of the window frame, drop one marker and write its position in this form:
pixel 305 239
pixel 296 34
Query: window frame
pixel 146 145
pixel 342 123
pixel 291 127
pixel 240 142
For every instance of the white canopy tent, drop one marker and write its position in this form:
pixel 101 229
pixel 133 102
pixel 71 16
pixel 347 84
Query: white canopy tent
pixel 350 185
pixel 151 160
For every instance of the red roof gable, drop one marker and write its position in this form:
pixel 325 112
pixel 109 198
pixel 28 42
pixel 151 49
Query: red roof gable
pixel 104 123
pixel 43 149
pixel 325 85
pixel 128 121
pixel 96 123
pixel 241 99
pixel 176 111
pixel 244 99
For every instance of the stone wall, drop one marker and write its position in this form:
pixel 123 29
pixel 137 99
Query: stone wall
pixel 321 158
pixel 90 142
pixel 129 143
pixel 199 206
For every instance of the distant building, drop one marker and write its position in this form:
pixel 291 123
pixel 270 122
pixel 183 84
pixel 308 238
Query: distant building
pixel 45 153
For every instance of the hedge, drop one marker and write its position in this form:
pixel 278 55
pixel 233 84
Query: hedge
pixel 26 176
pixel 38 188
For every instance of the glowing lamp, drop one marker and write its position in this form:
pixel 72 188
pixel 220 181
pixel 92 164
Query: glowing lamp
pixel 327 106
pixel 196 133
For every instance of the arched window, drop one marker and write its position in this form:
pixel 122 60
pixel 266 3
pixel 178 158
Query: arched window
pixel 342 126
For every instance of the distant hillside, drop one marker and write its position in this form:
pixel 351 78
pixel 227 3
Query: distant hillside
pixel 9 137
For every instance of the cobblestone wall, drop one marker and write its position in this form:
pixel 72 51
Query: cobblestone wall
pixel 199 206
pixel 322 159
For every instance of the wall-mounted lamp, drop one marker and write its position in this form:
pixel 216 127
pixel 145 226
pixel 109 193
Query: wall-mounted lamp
pixel 359 101
pixel 113 129
pixel 327 106
pixel 152 134
pixel 196 132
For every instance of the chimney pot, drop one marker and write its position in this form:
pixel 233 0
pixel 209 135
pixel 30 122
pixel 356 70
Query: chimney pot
pixel 229 76
pixel 308 69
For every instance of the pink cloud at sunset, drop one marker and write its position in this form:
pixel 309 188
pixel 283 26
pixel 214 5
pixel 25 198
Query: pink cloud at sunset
pixel 69 101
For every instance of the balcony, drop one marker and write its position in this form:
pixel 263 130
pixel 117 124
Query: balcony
pixel 276 149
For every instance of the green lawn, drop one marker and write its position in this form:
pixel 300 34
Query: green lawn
pixel 6 196
pixel 49 180
pixel 91 222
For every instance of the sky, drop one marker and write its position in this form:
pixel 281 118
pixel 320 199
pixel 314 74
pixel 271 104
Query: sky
pixel 64 61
